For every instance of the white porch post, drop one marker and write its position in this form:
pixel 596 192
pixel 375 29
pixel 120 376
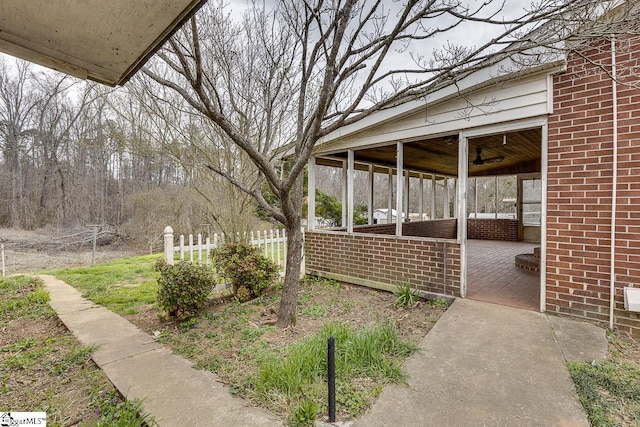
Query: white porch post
pixel 370 195
pixel 406 194
pixel 421 198
pixel 344 194
pixel 463 172
pixel 399 187
pixel 311 195
pixel 350 167
pixel 390 198
pixel 432 208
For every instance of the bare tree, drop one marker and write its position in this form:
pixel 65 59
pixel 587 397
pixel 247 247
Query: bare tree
pixel 17 114
pixel 308 67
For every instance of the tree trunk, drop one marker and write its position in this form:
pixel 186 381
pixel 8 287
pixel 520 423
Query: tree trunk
pixel 289 299
pixel 292 210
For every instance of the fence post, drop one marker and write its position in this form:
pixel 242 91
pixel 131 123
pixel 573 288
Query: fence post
pixel 273 255
pixel 168 245
pixel 266 244
pixel 182 247
pixel 2 250
pixel 191 248
pixel 284 242
pixel 199 249
pixel 215 245
pixel 208 250
pixel 278 246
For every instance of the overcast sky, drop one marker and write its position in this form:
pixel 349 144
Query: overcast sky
pixel 472 34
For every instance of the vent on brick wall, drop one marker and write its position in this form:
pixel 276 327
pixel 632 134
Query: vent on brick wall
pixel 632 299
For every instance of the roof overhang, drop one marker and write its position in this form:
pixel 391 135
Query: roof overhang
pixel 104 41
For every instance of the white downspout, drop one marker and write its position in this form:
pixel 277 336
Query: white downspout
pixel 614 191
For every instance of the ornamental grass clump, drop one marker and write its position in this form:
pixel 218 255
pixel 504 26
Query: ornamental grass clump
pixel 183 288
pixel 248 271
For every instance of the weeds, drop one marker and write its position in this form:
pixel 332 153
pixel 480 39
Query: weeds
pixel 440 302
pixel 405 296
pixel 44 368
pixel 609 390
pixel 372 352
pixel 306 412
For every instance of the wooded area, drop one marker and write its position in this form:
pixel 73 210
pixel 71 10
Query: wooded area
pixel 76 153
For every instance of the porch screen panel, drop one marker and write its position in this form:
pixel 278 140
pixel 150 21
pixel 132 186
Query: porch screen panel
pixel 531 201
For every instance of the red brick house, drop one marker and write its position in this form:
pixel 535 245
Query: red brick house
pixel 569 133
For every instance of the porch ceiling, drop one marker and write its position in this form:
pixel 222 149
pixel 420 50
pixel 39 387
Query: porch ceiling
pixel 105 41
pixel 520 154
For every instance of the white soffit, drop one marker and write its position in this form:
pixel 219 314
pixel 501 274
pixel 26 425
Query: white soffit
pixel 104 41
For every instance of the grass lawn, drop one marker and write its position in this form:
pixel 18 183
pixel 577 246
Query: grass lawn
pixel 609 390
pixel 122 285
pixel 43 368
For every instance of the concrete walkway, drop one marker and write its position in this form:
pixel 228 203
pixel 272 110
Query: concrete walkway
pixel 171 390
pixel 489 365
pixel 481 365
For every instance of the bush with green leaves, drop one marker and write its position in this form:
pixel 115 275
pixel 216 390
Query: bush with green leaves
pixel 245 266
pixel 183 288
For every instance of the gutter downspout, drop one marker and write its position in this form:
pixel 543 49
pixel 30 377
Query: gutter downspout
pixel 614 191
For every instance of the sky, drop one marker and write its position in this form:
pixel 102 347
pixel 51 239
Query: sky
pixel 472 34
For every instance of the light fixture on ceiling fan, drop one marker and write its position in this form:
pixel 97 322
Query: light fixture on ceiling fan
pixel 480 161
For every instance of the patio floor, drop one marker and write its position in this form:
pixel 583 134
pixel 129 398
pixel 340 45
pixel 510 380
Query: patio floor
pixel 493 277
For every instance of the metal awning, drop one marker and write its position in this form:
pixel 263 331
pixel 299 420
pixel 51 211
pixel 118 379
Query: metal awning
pixel 104 41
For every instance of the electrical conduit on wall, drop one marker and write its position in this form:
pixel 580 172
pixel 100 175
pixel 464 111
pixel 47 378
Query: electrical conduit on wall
pixel 614 193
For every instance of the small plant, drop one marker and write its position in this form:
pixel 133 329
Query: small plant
pixel 405 296
pixel 305 414
pixel 440 302
pixel 245 266
pixel 183 288
pixel 243 294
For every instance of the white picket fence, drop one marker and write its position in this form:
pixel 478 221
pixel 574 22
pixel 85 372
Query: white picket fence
pixel 193 249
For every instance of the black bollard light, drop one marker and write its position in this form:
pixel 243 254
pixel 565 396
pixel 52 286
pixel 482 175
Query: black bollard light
pixel 331 367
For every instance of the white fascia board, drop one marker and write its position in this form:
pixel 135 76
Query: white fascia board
pixel 476 79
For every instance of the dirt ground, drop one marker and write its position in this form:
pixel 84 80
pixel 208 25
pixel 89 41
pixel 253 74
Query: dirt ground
pixel 226 337
pixel 21 256
pixel 349 304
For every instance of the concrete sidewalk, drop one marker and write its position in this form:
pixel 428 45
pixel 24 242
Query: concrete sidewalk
pixel 489 365
pixel 171 390
pixel 481 365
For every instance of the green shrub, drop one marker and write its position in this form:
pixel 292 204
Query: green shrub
pixel 244 265
pixel 183 288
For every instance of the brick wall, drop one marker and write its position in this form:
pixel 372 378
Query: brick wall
pixel 384 261
pixel 436 229
pixel 580 160
pixel 493 229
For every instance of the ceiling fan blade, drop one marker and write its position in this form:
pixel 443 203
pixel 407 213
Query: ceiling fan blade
pixel 496 159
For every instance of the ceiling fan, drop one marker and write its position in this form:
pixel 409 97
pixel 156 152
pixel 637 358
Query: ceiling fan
pixel 480 161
